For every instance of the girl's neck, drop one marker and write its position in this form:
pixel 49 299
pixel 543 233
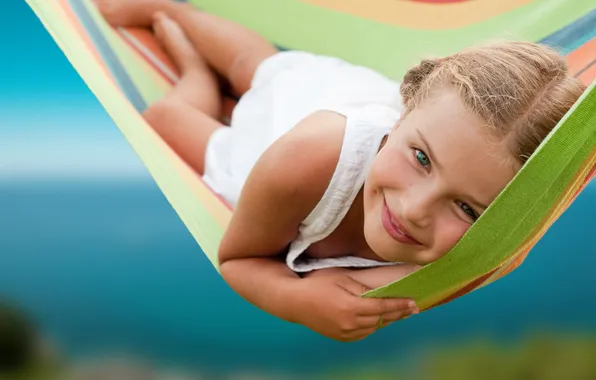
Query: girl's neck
pixel 361 247
pixel 356 222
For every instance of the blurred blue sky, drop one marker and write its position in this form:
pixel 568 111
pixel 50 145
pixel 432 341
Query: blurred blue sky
pixel 51 125
pixel 71 253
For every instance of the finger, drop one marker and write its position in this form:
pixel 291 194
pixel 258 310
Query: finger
pixel 360 334
pixel 384 319
pixel 352 286
pixel 376 306
pixel 371 322
pixel 373 306
pixel 398 315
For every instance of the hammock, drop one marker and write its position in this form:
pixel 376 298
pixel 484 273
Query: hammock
pixel 126 71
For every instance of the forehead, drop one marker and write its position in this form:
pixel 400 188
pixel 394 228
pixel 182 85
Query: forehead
pixel 469 158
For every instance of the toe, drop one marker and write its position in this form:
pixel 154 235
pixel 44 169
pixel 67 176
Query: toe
pixel 108 9
pixel 159 16
pixel 160 25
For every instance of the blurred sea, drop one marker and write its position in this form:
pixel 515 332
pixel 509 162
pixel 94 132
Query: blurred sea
pixel 93 252
pixel 110 268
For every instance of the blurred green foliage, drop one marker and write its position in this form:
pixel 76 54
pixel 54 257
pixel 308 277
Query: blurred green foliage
pixel 23 355
pixel 17 339
pixel 542 356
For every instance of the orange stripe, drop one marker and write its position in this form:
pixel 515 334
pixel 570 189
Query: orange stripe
pixel 520 257
pixel 589 178
pixel 581 57
pixel 465 290
pixel 588 76
pixel 515 261
pixel 145 37
pixel 416 15
pixel 68 14
pixel 562 205
pixel 592 174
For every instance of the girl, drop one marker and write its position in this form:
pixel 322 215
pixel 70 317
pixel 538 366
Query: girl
pixel 343 180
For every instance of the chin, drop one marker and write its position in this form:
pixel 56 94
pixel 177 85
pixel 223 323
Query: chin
pixel 382 245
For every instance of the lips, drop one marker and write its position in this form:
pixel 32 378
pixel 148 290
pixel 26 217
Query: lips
pixel 395 229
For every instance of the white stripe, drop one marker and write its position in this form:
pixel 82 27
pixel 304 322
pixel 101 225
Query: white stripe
pixel 149 55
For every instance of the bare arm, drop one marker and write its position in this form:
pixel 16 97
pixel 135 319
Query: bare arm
pixel 372 277
pixel 282 189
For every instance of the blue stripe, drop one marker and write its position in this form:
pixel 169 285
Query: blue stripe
pixel 110 58
pixel 574 35
pixel 566 39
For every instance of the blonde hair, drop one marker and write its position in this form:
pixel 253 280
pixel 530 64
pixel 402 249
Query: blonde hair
pixel 520 89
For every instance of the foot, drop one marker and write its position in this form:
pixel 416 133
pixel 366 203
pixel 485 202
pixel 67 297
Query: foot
pixel 130 13
pixel 171 36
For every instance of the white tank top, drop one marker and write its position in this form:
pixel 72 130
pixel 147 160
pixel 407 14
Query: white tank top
pixel 365 129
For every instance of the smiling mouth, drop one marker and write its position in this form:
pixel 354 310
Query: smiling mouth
pixel 395 229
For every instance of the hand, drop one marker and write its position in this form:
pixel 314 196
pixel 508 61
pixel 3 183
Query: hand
pixel 332 306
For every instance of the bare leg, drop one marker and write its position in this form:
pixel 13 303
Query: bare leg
pixel 184 128
pixel 198 85
pixel 186 117
pixel 230 49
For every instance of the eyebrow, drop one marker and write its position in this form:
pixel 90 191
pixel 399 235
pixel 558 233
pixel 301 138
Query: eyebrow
pixel 432 157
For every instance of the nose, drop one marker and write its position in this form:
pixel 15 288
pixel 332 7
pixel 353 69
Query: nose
pixel 417 207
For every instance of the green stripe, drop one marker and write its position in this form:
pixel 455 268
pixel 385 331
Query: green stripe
pixel 192 212
pixel 386 48
pixel 197 218
pixel 498 233
pixel 528 200
pixel 148 90
pixel 574 35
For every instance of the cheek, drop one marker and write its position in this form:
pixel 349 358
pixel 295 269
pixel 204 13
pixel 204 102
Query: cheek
pixel 449 230
pixel 390 169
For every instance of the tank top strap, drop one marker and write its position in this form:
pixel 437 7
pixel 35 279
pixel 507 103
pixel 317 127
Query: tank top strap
pixel 365 129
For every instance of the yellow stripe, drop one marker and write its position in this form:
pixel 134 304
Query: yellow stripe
pixel 143 71
pixel 74 47
pixel 221 213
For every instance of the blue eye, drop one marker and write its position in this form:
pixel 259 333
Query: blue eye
pixel 422 158
pixel 469 210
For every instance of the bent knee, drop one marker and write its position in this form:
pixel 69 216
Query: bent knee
pixel 244 66
pixel 159 113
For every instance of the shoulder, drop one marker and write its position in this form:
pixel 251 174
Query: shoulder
pixel 284 186
pixel 308 154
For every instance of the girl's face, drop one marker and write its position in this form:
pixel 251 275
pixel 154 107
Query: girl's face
pixel 436 174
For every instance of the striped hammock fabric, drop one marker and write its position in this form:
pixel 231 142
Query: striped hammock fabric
pixel 127 71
